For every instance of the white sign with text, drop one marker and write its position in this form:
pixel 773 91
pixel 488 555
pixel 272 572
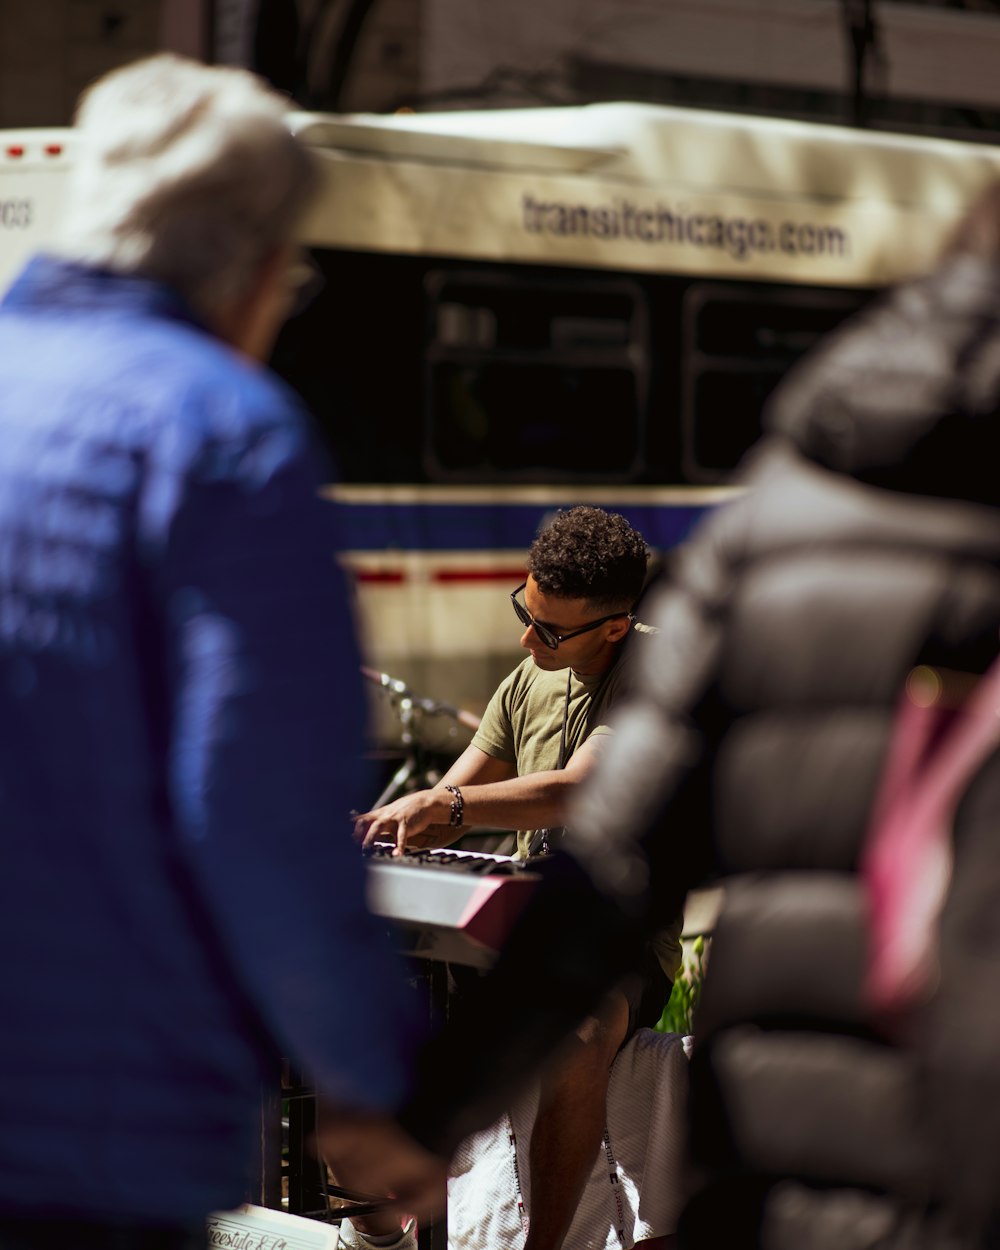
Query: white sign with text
pixel 259 1228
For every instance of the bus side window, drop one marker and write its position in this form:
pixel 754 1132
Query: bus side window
pixel 738 342
pixel 534 378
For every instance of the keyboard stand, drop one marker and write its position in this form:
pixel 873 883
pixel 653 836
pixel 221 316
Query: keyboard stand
pixel 297 1176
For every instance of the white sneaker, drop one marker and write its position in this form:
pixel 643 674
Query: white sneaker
pixel 355 1240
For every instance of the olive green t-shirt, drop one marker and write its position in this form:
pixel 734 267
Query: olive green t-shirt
pixel 523 725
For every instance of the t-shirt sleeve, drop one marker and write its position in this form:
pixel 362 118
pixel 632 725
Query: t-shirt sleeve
pixel 612 692
pixel 495 735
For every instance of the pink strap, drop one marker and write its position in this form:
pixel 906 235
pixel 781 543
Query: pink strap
pixel 934 752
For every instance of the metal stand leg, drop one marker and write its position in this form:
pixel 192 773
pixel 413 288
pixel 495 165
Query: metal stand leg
pixel 435 1236
pixel 265 1180
pixel 301 1170
pixel 305 1192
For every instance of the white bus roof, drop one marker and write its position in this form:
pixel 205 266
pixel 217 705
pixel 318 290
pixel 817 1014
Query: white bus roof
pixel 623 187
pixel 551 185
pixel 697 148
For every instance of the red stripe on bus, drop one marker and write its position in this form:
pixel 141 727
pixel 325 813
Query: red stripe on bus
pixel 480 575
pixel 395 577
pixel 380 576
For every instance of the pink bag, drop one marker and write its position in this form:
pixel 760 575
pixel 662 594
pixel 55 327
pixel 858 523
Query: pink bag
pixel 946 727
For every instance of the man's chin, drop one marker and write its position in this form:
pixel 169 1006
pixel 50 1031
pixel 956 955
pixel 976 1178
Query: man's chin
pixel 546 660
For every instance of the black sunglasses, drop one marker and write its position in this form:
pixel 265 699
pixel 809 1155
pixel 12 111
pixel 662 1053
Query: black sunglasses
pixel 549 636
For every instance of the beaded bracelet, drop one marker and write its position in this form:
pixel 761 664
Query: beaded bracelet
pixel 457 805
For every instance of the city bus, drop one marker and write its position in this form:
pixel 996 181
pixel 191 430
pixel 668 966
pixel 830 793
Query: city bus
pixel 527 309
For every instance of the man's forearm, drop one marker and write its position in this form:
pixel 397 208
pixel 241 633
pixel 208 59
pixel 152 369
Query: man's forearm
pixel 489 796
pixel 536 801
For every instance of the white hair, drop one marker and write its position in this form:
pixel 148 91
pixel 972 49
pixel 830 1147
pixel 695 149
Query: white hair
pixel 187 174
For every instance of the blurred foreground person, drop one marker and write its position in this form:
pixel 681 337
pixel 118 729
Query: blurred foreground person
pixel 868 543
pixel 180 715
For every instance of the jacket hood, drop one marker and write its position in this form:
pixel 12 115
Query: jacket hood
pixel 906 396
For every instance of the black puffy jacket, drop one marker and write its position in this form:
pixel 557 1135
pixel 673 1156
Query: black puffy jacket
pixel 867 542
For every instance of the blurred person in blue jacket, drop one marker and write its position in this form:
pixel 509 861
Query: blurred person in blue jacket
pixel 180 712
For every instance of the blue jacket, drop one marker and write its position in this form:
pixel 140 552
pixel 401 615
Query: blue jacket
pixel 180 725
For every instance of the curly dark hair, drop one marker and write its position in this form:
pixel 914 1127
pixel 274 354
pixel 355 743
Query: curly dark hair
pixel 587 553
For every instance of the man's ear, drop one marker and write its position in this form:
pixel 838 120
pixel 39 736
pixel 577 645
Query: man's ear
pixel 618 628
pixel 251 321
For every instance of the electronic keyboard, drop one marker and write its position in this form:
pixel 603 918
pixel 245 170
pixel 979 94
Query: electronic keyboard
pixel 446 904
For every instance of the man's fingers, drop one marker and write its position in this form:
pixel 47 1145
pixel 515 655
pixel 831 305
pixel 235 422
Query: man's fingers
pixel 402 835
pixel 380 829
pixel 399 822
pixel 409 827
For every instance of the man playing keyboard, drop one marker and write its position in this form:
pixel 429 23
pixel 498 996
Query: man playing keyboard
pixel 540 736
